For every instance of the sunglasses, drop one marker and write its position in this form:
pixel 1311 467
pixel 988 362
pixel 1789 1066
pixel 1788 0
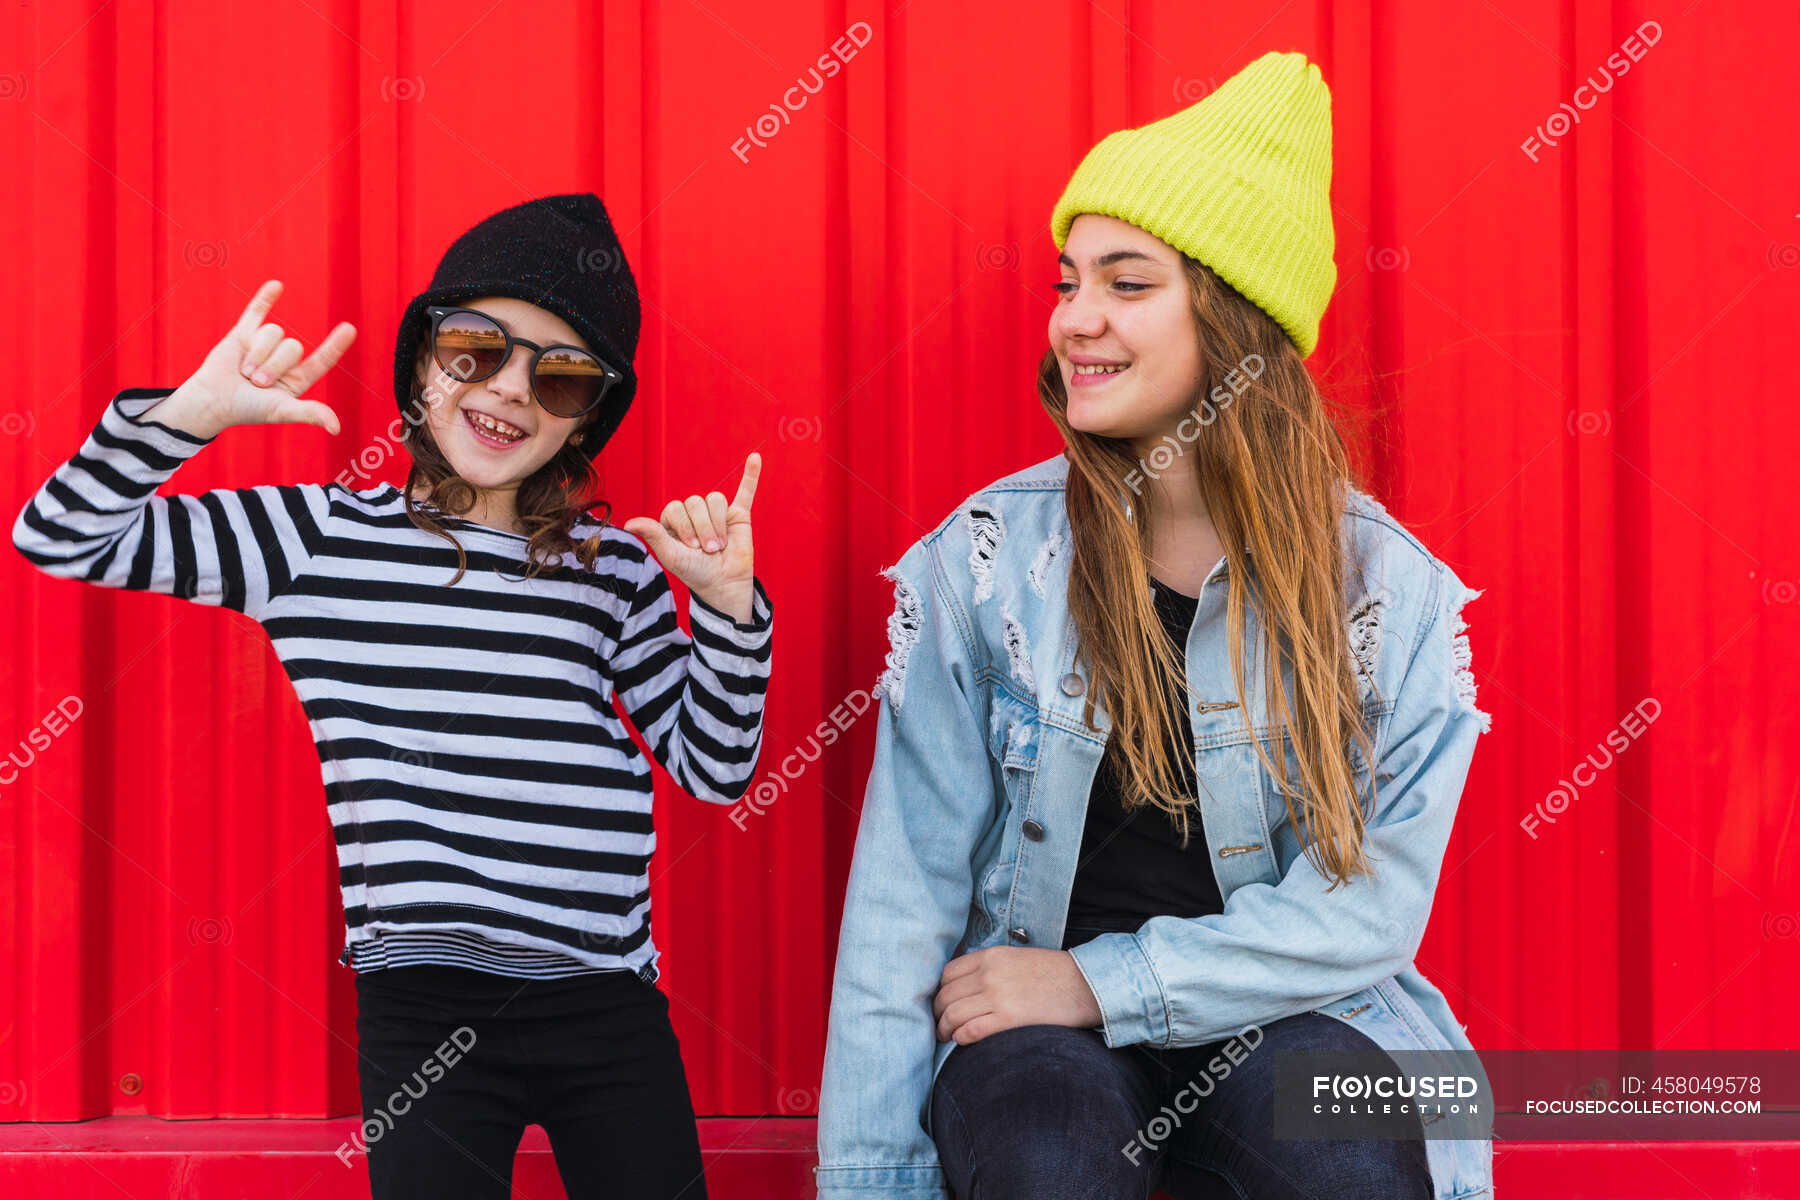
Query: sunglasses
pixel 471 346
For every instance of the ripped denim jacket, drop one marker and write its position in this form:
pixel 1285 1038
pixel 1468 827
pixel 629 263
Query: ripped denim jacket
pixel 973 813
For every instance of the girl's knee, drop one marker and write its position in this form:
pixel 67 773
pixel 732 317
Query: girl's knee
pixel 1029 1113
pixel 1309 1033
pixel 1027 1058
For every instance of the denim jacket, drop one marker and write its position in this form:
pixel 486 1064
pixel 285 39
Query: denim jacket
pixel 972 821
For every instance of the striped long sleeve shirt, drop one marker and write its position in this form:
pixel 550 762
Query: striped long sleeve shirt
pixel 490 808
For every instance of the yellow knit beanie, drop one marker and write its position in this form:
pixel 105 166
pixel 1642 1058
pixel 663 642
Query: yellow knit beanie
pixel 1240 180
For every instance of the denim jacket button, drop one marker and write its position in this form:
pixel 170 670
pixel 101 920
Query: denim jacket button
pixel 1033 829
pixel 1073 684
pixel 1018 934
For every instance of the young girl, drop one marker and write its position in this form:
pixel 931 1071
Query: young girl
pixel 462 647
pixel 1121 843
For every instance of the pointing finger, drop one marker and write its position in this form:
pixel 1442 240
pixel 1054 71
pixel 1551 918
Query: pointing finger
pixel 747 486
pixel 257 309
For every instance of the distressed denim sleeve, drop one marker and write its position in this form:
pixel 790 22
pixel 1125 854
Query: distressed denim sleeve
pixel 1288 947
pixel 928 800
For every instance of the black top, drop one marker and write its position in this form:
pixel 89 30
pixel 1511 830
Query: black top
pixel 1132 866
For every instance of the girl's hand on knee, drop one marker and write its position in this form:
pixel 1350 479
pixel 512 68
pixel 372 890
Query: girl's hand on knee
pixel 1006 986
pixel 705 543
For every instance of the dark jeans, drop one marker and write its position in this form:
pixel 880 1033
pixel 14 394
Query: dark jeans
pixel 454 1063
pixel 1046 1111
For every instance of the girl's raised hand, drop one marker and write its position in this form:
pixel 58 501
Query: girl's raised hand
pixel 705 543
pixel 256 376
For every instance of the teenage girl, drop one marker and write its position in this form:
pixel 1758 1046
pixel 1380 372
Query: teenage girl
pixel 462 648
pixel 1121 849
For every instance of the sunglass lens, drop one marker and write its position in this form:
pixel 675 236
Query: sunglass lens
pixel 569 381
pixel 469 345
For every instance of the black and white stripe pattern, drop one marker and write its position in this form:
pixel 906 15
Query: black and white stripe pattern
pixel 489 806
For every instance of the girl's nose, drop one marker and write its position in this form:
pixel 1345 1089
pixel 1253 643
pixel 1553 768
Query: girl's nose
pixel 513 380
pixel 1080 316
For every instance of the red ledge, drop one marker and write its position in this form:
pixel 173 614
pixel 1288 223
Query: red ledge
pixel 747 1158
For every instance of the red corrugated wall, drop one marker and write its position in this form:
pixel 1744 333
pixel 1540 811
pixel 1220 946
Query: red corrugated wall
pixel 1570 365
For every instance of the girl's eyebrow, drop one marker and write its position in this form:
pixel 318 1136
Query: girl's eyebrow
pixel 1109 258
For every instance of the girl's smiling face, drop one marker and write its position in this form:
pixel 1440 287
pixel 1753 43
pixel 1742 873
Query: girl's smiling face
pixel 1124 331
pixel 462 414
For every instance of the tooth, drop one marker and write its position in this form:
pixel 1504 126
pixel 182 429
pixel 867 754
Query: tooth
pixel 502 430
pixel 487 422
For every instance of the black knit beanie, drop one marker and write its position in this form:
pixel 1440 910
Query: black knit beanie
pixel 559 253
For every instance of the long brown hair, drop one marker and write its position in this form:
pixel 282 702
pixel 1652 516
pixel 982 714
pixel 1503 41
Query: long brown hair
pixel 550 500
pixel 1274 475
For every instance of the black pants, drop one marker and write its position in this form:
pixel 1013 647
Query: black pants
pixel 1046 1111
pixel 454 1063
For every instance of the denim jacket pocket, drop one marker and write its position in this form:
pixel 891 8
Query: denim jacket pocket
pixel 1013 730
pixel 991 894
